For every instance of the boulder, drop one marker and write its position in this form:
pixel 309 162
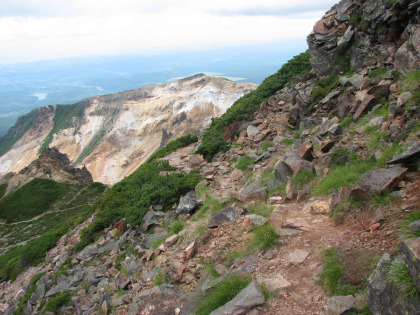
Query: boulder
pixel 341 304
pixel 361 107
pixel 152 218
pixel 305 151
pixel 274 282
pixel 377 180
pixel 252 130
pixel 411 249
pixel 149 239
pixel 243 302
pixel 255 220
pixel 297 257
pixel 222 216
pixel 355 80
pixel 340 195
pixel 188 203
pixel 415 226
pixel 57 289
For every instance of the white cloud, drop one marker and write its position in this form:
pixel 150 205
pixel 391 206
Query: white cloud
pixel 34 29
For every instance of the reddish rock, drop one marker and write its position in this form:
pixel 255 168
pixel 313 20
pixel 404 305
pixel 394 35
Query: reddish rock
pixel 305 151
pixel 191 250
pixel 121 226
pixel 360 108
pixel 239 196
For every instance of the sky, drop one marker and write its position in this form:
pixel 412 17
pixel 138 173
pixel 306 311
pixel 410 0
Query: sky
pixel 47 29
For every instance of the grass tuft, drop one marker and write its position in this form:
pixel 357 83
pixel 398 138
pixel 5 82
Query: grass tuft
pixel 265 237
pixel 222 293
pixel 176 227
pixel 244 162
pixel 400 276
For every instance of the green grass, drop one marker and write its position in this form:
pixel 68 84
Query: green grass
pixel 244 162
pixel 161 278
pixel 296 134
pixel 222 293
pixel 266 144
pixel 411 81
pixel 157 243
pixel 288 142
pixel 404 230
pixel 343 56
pixel 210 269
pixel 173 146
pixel 279 189
pixel 302 178
pixel 3 188
pixel 325 86
pixel 209 205
pixel 343 175
pixel 268 173
pixel 57 302
pixel 265 237
pixel 30 200
pixel 261 209
pixel 243 108
pixel 176 227
pixel 400 276
pixel 346 122
pixel 377 73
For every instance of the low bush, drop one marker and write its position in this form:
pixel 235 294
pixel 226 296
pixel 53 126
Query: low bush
pixel 244 162
pixel 265 237
pixel 222 293
pixel 57 302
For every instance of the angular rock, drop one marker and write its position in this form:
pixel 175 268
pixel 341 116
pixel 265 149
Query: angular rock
pixel 377 180
pixel 409 156
pixel 57 289
pixel 243 302
pixel 252 130
pixel 297 257
pixel 360 107
pixel 171 240
pixel 87 252
pixel 341 304
pixel 222 216
pixel 355 80
pixel 152 218
pixel 319 207
pixel 149 239
pixel 330 96
pixel 191 250
pixel 415 226
pixel 305 151
pixel 274 282
pixel 187 204
pixel 256 220
pixel 348 34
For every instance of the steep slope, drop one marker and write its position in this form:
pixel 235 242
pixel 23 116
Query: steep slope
pixel 113 134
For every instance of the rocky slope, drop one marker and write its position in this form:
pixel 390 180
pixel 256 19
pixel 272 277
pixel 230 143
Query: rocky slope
pixel 112 135
pixel 330 163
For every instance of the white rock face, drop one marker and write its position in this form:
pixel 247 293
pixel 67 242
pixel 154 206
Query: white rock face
pixel 118 132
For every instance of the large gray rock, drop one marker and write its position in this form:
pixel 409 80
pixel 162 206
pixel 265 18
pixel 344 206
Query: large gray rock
pixel 247 299
pixel 355 80
pixel 341 304
pixel 222 216
pixel 149 239
pixel 152 218
pixel 160 300
pixel 415 226
pixel 288 167
pixel 411 249
pixel 57 289
pixel 87 252
pixel 252 130
pixel 377 180
pixel 188 203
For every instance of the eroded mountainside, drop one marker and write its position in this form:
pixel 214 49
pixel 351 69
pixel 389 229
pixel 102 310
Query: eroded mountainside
pixel 112 135
pixel 305 200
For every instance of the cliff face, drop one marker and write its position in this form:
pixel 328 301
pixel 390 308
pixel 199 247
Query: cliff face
pixel 113 134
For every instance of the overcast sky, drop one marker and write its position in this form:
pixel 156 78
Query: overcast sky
pixel 44 29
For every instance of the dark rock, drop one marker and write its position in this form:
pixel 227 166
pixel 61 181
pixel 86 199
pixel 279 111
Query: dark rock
pixel 376 181
pixel 57 289
pixel 152 218
pixel 222 216
pixel 39 292
pixel 263 156
pixel 87 252
pixel 188 203
pixel 409 156
pixel 149 239
pixel 361 107
pixel 326 125
pixel 243 302
pixel 327 146
pixel 160 300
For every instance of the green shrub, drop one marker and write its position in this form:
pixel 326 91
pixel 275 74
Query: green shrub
pixel 243 108
pixel 57 302
pixel 3 188
pixel 288 142
pixel 244 162
pixel 30 200
pixel 377 73
pixel 265 237
pixel 343 175
pixel 266 144
pixel 302 178
pixel 222 293
pixel 173 146
pixel 176 227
